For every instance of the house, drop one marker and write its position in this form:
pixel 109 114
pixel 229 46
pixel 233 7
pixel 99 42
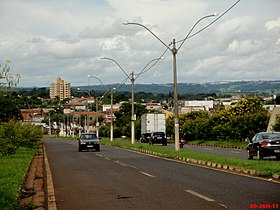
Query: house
pixel 35 115
pixel 154 106
pixel 189 106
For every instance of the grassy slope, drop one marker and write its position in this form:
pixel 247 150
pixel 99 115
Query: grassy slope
pixel 12 171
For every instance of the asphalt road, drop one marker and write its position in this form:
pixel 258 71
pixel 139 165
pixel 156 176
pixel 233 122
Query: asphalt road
pixel 120 179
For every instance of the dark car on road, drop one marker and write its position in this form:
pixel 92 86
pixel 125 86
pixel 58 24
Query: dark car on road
pixel 158 138
pixel 264 144
pixel 88 141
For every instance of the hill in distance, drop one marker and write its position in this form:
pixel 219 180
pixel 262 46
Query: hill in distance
pixel 230 87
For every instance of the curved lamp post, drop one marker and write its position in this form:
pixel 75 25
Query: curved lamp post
pixel 112 90
pixel 174 51
pixel 132 79
pixel 96 109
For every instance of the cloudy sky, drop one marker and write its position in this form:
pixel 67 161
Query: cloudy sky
pixel 46 39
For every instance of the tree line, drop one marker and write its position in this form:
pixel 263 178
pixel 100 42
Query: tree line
pixel 238 122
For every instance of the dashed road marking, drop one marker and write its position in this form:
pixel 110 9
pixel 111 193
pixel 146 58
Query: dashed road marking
pixel 200 195
pixel 120 163
pixel 132 166
pixel 147 174
pixel 204 197
pixel 99 155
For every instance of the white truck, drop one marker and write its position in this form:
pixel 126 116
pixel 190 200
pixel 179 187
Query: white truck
pixel 153 128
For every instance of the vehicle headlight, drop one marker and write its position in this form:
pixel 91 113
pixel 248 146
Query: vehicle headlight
pixel 83 142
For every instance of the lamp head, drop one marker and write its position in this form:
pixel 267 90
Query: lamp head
pixel 125 23
pixel 215 14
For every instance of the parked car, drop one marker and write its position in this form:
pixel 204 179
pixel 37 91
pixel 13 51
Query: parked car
pixel 88 141
pixel 264 144
pixel 158 138
pixel 145 137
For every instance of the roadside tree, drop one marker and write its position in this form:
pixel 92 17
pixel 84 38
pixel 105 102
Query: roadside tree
pixel 9 110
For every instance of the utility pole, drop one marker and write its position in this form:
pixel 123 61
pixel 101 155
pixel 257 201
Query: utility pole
pixel 133 117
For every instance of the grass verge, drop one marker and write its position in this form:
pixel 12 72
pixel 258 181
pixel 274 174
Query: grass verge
pixel 234 144
pixel 12 172
pixel 262 168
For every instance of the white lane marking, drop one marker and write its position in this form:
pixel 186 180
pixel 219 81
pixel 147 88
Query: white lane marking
pixel 200 196
pixel 99 155
pixel 120 163
pixel 146 174
pixel 106 158
pixel 132 166
pixel 223 205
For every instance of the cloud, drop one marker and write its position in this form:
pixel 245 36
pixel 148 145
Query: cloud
pixel 46 39
pixel 273 24
pixel 244 47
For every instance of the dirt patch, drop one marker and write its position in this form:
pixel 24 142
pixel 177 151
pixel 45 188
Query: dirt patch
pixel 32 194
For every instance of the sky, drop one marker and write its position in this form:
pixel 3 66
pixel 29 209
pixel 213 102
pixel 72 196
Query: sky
pixel 46 39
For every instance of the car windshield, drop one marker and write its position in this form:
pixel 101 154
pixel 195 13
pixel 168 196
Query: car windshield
pixel 271 136
pixel 88 136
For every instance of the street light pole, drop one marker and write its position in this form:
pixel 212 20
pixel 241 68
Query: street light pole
pixel 111 124
pixel 111 111
pixel 97 123
pixel 133 118
pixel 174 53
pixel 175 97
pixel 132 79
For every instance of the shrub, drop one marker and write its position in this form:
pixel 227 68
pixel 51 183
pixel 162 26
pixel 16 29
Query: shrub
pixel 276 127
pixel 238 122
pixel 14 135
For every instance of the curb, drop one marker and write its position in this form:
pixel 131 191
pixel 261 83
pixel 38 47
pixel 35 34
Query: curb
pixel 38 191
pixel 49 183
pixel 33 189
pixel 220 146
pixel 248 172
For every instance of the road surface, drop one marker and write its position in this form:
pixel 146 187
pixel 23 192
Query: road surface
pixel 120 179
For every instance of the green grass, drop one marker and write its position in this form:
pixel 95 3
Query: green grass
pixel 239 144
pixel 264 168
pixel 12 171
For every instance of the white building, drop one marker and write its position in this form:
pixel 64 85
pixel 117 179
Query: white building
pixel 199 105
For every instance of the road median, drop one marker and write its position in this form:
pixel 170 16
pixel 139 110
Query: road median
pixel 265 168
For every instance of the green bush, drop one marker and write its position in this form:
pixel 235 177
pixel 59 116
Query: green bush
pixel 14 135
pixel 238 122
pixel 276 127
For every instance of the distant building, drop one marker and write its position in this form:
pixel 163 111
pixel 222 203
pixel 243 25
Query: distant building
pixel 60 89
pixel 198 106
pixel 154 106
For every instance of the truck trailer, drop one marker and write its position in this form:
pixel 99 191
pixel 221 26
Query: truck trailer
pixel 153 128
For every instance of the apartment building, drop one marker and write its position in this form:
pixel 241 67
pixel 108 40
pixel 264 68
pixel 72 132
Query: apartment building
pixel 60 89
